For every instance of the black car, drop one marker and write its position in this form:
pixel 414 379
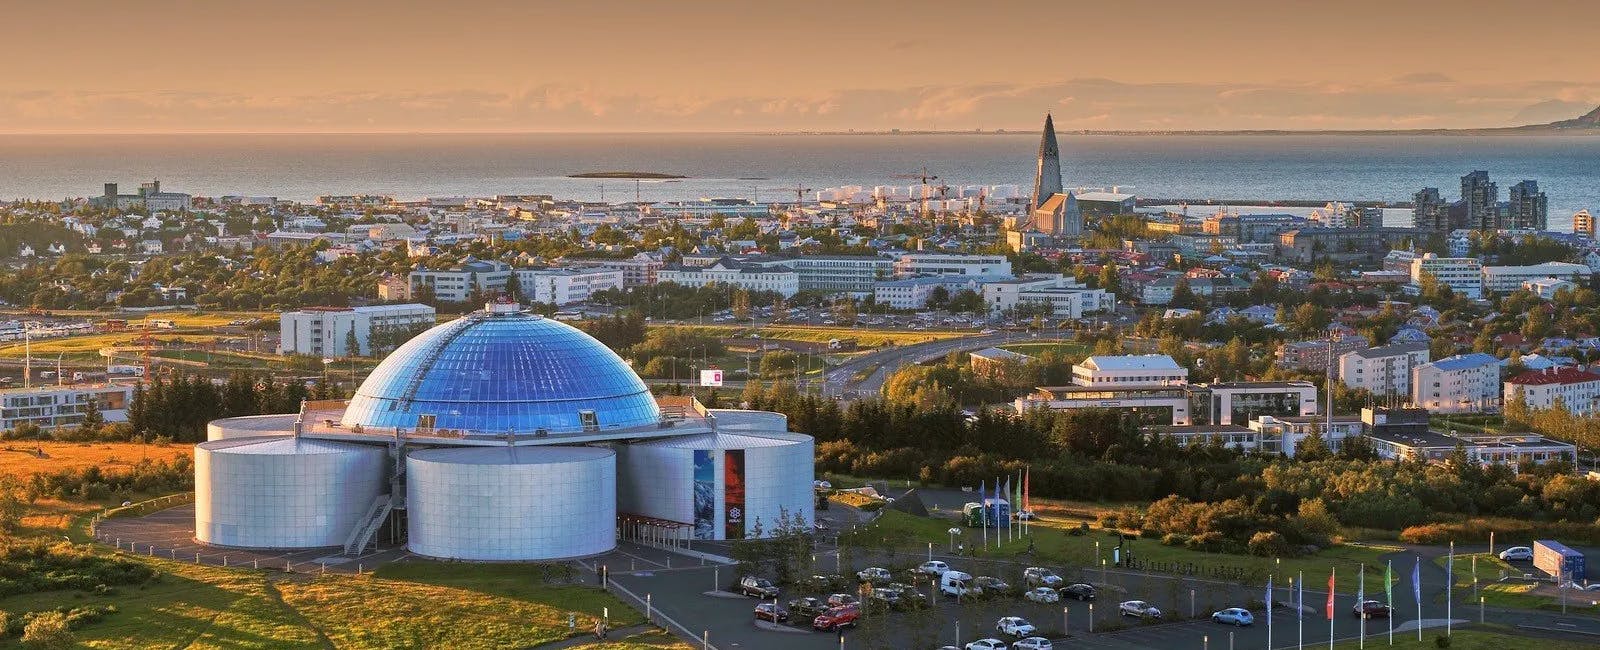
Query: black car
pixel 758 587
pixel 1079 591
pixel 807 608
pixel 1371 608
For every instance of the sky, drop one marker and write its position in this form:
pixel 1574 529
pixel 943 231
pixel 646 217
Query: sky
pixel 742 65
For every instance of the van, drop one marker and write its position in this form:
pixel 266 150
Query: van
pixel 958 583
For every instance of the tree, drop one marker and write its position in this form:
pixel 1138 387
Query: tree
pixel 741 305
pixel 938 298
pixel 352 345
pixel 1311 448
pixel 1537 324
pixel 92 421
pixel 845 312
pixel 513 287
pixel 1108 279
pixel 1182 295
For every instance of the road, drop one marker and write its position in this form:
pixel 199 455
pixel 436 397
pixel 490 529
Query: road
pixel 884 362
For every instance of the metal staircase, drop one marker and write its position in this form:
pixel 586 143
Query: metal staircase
pixel 361 535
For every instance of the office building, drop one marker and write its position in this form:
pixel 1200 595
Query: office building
pixel 854 274
pixel 1464 275
pixel 1430 212
pixel 1465 383
pixel 327 332
pixel 750 277
pixel 49 407
pixel 1506 279
pixel 1129 371
pixel 915 264
pixel 1066 297
pixel 566 286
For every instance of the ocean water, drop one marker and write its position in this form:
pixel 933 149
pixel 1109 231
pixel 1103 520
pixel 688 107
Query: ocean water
pixel 768 167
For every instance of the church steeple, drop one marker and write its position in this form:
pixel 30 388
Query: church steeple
pixel 1047 180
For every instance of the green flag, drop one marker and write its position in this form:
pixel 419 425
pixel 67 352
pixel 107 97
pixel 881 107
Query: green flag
pixel 1388 582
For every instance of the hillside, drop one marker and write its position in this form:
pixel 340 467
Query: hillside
pixel 1588 121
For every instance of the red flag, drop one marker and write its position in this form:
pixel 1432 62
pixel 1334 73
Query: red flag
pixel 1330 594
pixel 1026 473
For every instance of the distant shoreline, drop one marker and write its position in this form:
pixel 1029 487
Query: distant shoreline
pixel 653 176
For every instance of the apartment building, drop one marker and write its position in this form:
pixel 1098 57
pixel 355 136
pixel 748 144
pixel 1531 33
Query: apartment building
pixel 1066 297
pixel 567 286
pixel 1578 391
pixel 855 274
pixel 914 264
pixel 1464 275
pixel 1465 383
pixel 326 331
pixel 1383 370
pixel 58 406
pixel 1506 279
pixel 751 277
pixel 1315 354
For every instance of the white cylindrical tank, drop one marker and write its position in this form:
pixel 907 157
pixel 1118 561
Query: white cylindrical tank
pixel 283 492
pixel 251 425
pixel 749 477
pixel 512 503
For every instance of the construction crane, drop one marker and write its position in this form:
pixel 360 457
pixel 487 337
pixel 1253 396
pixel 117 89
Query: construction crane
pixel 925 177
pixel 799 194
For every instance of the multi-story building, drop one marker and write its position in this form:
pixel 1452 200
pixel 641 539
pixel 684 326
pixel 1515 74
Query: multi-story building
pixel 1434 447
pixel 855 274
pixel 1177 404
pixel 1465 383
pixel 914 264
pixel 637 271
pixel 913 293
pixel 394 287
pixel 328 331
pixel 1238 403
pixel 1583 224
pixel 49 407
pixel 1279 434
pixel 1577 391
pixel 1383 370
pixel 1308 245
pixel 1066 297
pixel 1547 288
pixel 1506 279
pixel 1464 275
pixel 1528 208
pixel 1315 354
pixel 1430 211
pixel 780 279
pixel 1482 200
pixel 1159 292
pixel 1129 371
pixel 567 286
pixel 458 283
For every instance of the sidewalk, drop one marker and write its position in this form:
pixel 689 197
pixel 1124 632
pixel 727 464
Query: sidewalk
pixel 587 638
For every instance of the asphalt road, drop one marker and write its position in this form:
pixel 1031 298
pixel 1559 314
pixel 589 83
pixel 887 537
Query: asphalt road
pixel 885 361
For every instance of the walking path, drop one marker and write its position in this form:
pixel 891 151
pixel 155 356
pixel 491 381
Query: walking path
pixel 587 638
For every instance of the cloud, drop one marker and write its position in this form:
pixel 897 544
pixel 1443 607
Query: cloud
pixel 1088 104
pixel 1425 78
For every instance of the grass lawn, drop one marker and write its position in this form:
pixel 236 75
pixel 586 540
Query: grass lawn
pixel 1054 545
pixel 90 345
pixel 1510 593
pixel 18 457
pixel 1477 637
pixel 646 641
pixel 1065 350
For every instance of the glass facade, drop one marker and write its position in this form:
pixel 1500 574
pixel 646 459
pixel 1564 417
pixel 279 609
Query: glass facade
pixel 503 372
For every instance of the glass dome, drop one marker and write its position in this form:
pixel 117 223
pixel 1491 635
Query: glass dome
pixel 503 370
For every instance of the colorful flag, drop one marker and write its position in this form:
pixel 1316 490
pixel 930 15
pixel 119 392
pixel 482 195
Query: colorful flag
pixel 1026 474
pixel 1300 598
pixel 1388 582
pixel 1017 496
pixel 1269 600
pixel 1331 576
pixel 1416 580
pixel 983 508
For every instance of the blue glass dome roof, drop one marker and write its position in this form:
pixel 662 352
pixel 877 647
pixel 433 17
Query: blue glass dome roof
pixel 503 370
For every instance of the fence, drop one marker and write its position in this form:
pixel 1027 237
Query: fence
pixel 140 509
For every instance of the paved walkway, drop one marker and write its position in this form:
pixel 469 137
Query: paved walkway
pixel 588 637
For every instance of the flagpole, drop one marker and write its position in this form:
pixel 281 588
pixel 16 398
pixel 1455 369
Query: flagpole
pixel 1416 590
pixel 1449 587
pixel 983 514
pixel 1361 601
pixel 1300 612
pixel 1388 591
pixel 1269 612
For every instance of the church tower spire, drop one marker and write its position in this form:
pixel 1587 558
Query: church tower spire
pixel 1047 180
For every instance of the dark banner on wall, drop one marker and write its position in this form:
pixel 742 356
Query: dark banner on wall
pixel 705 495
pixel 733 493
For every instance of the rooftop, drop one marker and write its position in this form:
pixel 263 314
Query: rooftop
pixel 1133 362
pixel 1390 350
pixel 1554 375
pixel 1466 361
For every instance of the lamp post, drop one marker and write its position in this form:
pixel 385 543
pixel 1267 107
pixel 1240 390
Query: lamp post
pixel 1065 628
pixel 1091 618
pixel 953 532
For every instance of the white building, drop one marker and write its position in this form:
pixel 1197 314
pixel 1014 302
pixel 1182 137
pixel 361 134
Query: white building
pixel 1383 370
pixel 567 286
pixel 1546 288
pixel 1066 297
pixel 57 406
pixel 913 293
pixel 1505 279
pixel 913 264
pixel 854 274
pixel 326 331
pixel 1129 371
pixel 780 279
pixel 1578 391
pixel 1466 383
pixel 1464 275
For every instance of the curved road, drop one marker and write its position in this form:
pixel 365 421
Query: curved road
pixel 887 360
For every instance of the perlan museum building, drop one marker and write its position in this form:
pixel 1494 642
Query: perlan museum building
pixel 500 436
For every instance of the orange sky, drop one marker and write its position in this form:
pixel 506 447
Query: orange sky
pixel 690 65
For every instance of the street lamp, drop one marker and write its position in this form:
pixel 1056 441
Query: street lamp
pixel 953 532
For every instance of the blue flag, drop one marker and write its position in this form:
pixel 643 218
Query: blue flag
pixel 1300 598
pixel 983 508
pixel 1416 580
pixel 1269 597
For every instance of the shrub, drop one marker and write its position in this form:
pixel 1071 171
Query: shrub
pixel 29 566
pixel 1174 539
pixel 1441 641
pixel 1208 541
pixel 1268 544
pixel 1080 531
pixel 48 630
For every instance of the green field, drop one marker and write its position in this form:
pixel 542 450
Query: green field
pixel 1053 544
pixel 1511 593
pixel 1062 349
pixel 421 605
pixel 1477 637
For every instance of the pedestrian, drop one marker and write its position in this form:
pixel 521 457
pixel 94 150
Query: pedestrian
pixel 961 549
pixel 599 630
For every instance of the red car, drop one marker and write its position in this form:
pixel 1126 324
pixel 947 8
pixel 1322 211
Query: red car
pixel 836 618
pixel 771 612
pixel 1371 608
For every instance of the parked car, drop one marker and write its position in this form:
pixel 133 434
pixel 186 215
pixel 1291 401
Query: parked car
pixel 1033 643
pixel 1517 553
pixel 771 612
pixel 808 607
pixel 1042 595
pixel 874 575
pixel 1238 616
pixel 910 597
pixel 837 618
pixel 986 644
pixel 1015 626
pixel 991 586
pixel 1037 576
pixel 842 600
pixel 1138 608
pixel 1371 608
pixel 933 568
pixel 758 587
pixel 958 583
pixel 1078 591
pixel 884 598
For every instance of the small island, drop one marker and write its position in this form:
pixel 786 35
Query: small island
pixel 627 175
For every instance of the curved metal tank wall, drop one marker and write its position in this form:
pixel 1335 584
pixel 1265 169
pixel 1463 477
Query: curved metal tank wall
pixel 283 492
pixel 251 425
pixel 511 503
pixel 751 421
pixel 656 477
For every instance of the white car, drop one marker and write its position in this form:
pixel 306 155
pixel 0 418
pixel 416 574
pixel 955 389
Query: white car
pixel 1138 608
pixel 933 568
pixel 1015 626
pixel 986 644
pixel 1517 553
pixel 1033 643
pixel 1043 595
pixel 874 575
